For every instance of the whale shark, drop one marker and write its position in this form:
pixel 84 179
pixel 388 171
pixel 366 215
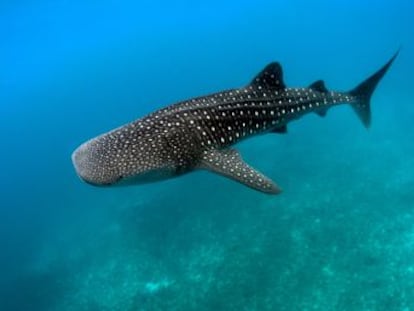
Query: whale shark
pixel 199 133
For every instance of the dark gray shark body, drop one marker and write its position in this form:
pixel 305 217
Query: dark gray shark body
pixel 198 133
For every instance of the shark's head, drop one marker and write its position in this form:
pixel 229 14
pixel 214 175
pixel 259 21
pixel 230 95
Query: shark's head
pixel 95 165
pixel 116 158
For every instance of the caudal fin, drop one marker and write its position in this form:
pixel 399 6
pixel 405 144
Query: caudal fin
pixel 363 93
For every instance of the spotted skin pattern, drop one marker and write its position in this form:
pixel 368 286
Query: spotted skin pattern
pixel 198 133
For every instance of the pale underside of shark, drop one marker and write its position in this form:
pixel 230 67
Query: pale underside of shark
pixel 198 133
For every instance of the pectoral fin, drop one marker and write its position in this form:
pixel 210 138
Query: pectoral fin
pixel 229 164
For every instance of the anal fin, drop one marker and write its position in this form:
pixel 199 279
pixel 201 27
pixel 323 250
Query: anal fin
pixel 228 163
pixel 321 112
pixel 280 130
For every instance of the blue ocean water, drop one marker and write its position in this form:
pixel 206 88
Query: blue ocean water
pixel 339 237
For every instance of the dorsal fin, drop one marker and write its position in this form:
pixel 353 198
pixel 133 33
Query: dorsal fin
pixel 270 76
pixel 319 86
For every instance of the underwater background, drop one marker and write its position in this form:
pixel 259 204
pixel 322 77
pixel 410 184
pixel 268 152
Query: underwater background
pixel 339 237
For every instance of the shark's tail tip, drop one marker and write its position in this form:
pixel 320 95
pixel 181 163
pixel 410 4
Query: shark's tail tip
pixel 363 92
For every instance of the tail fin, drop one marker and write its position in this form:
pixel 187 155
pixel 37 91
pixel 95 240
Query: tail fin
pixel 364 91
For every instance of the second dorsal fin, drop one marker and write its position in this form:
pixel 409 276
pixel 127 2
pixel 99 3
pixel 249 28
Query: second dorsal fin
pixel 319 86
pixel 270 77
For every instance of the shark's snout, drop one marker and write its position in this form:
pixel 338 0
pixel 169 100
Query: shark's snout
pixel 90 167
pixel 79 159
